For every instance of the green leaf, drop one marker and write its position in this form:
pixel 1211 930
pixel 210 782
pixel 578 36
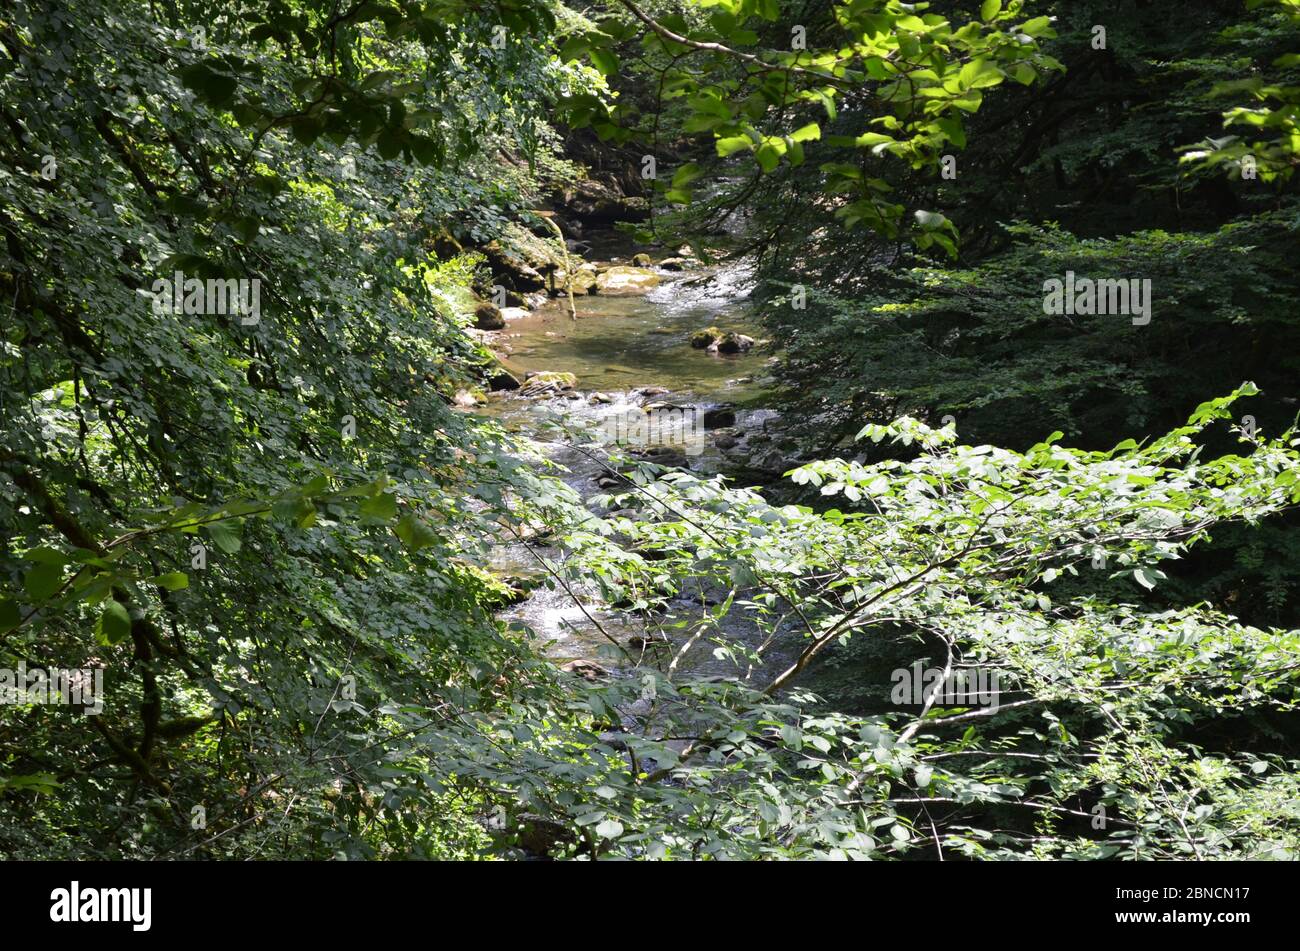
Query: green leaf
pixel 46 556
pixel 574 47
pixel 34 782
pixel 389 143
pixel 1145 577
pixel 685 175
pixel 730 145
pixel 930 219
pixel 383 506
pixel 868 140
pixel 979 73
pixel 173 581
pixel 1038 26
pixel 9 614
pixel 989 9
pixel 43 580
pixel 214 88
pixel 604 60
pixel 114 623
pixel 609 829
pixel 809 133
pixel 414 532
pixel 225 535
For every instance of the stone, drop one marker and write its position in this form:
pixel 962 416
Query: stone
pixel 502 379
pixel 732 342
pixel 642 260
pixel 595 203
pixel 548 383
pixel 621 280
pixel 719 418
pixel 512 270
pixel 586 669
pixel 584 281
pixel 488 317
pixel 705 338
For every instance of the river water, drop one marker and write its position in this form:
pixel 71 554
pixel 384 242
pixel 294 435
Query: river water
pixel 616 347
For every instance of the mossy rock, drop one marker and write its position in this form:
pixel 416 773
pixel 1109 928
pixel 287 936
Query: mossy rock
pixel 703 339
pixel 622 280
pixel 584 281
pixel 548 383
pixel 732 342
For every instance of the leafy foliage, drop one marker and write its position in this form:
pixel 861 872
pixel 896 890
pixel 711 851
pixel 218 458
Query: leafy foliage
pixel 269 529
pixel 918 73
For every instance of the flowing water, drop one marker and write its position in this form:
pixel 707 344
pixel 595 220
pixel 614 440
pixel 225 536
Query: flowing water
pixel 616 347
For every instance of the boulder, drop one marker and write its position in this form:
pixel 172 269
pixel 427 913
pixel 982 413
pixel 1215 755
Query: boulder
pixel 512 313
pixel 642 260
pixel 675 264
pixel 622 280
pixel 584 281
pixel 719 418
pixel 519 259
pixel 706 338
pixel 731 342
pixel 488 317
pixel 586 669
pixel 511 270
pixel 499 378
pixel 548 383
pixel 595 203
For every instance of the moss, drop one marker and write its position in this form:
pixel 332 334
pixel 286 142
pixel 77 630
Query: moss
pixel 703 339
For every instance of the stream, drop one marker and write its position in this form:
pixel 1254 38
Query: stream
pixel 634 351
